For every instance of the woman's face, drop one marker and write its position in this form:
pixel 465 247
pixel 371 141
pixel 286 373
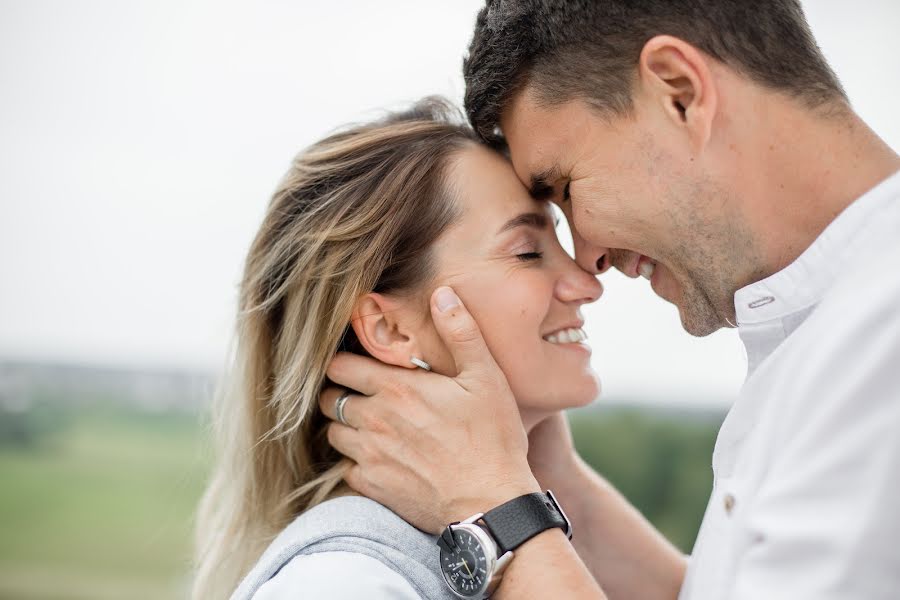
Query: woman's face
pixel 504 260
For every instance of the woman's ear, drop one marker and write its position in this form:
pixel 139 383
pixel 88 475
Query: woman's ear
pixel 384 328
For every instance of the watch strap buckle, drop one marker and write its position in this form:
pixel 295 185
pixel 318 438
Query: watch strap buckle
pixel 558 507
pixel 446 541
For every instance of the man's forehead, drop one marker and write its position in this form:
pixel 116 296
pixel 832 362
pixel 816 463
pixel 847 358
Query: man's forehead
pixel 528 150
pixel 522 122
pixel 537 136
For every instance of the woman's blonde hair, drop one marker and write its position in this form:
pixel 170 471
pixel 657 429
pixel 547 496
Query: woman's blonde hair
pixel 357 212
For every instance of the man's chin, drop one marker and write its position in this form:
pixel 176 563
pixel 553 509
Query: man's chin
pixel 699 329
pixel 698 317
pixel 699 323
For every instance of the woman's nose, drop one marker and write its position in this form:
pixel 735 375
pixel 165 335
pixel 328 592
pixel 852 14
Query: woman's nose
pixel 591 258
pixel 578 285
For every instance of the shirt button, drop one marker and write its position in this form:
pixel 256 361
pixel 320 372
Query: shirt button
pixel 729 502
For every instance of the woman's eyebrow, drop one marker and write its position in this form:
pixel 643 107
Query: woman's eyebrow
pixel 532 219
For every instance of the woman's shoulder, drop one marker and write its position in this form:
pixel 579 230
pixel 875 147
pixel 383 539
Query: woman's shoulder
pixel 347 509
pixel 357 516
pixel 338 575
pixel 344 536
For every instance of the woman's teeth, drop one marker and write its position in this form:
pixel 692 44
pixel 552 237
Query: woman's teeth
pixel 646 269
pixel 566 336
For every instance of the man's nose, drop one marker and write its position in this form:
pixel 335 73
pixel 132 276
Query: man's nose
pixel 591 258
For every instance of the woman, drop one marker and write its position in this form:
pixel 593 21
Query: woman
pixel 365 225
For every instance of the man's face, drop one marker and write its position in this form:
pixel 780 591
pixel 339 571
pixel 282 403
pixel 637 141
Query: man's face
pixel 636 198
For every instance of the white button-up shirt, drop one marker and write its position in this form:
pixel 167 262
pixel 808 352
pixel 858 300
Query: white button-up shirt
pixel 806 496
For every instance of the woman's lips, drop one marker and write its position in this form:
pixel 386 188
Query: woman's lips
pixel 568 335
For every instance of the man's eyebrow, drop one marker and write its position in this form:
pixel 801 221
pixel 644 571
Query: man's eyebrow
pixel 541 188
pixel 536 220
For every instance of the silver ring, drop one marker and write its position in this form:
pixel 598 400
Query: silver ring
pixel 339 407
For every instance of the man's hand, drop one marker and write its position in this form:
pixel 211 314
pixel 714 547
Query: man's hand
pixel 433 449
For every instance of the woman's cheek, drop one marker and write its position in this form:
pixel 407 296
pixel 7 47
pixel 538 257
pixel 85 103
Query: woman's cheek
pixel 519 312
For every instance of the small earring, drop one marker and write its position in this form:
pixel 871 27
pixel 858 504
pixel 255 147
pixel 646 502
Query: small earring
pixel 420 363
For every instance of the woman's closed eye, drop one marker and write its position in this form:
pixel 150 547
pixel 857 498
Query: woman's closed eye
pixel 528 251
pixel 527 256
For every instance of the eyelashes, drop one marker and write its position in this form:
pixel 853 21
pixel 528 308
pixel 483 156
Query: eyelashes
pixel 529 256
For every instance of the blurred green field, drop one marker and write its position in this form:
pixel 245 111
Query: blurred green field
pixel 100 507
pixel 660 461
pixel 98 504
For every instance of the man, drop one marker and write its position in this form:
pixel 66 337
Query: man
pixel 707 146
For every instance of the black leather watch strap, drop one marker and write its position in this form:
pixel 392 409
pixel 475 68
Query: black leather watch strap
pixel 517 521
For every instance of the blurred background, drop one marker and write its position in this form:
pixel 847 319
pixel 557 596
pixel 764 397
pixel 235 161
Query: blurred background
pixel 139 143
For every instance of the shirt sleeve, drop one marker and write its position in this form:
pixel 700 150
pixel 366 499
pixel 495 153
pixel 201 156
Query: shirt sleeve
pixel 337 576
pixel 825 523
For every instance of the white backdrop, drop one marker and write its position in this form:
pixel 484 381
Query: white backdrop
pixel 139 142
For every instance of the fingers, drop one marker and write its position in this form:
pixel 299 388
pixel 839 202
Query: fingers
pixel 328 405
pixel 361 373
pixel 327 399
pixel 345 440
pixel 460 332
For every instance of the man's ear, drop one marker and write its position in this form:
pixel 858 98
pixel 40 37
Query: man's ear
pixel 678 76
pixel 380 324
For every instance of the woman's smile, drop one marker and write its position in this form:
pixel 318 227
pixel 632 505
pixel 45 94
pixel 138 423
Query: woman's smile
pixel 566 335
pixel 505 261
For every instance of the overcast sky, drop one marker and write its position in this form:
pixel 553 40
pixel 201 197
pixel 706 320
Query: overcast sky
pixel 140 141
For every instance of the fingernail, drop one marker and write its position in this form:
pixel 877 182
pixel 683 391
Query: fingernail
pixel 446 299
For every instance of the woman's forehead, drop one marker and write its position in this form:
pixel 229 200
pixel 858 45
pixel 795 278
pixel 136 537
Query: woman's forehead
pixel 487 189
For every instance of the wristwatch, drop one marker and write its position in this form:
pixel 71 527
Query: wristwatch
pixel 475 552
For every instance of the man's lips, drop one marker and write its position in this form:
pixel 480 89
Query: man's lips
pixel 634 265
pixel 646 266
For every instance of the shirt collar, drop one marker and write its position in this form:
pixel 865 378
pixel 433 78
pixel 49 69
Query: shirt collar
pixel 802 284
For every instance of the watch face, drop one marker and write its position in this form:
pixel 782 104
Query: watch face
pixel 466 568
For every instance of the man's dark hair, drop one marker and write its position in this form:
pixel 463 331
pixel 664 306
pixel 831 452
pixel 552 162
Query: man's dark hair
pixel 589 49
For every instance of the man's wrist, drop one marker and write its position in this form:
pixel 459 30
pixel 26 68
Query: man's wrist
pixel 492 497
pixel 548 548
